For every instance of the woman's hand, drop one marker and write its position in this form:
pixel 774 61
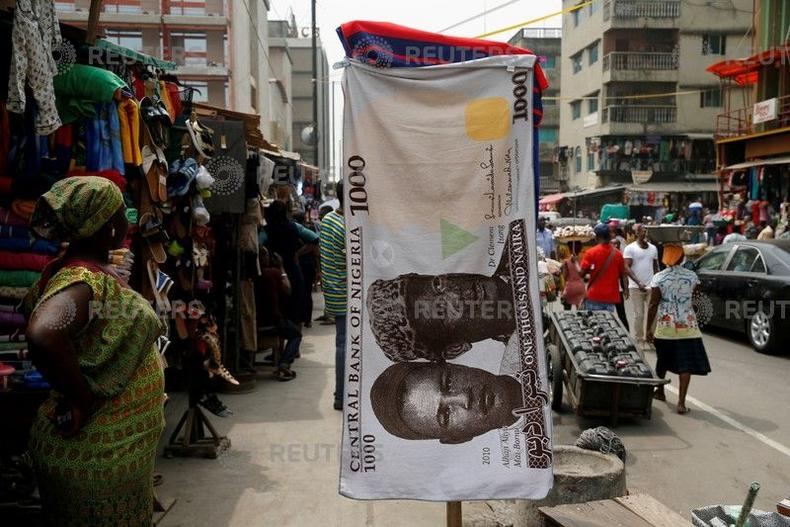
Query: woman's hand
pixel 69 417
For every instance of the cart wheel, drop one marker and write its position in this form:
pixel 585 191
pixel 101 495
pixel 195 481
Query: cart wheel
pixel 556 377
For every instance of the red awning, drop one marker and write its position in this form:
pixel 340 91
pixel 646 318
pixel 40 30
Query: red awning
pixel 551 199
pixel 744 71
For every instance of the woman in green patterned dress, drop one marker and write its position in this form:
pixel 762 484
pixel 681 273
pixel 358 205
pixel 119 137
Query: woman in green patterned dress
pixel 94 440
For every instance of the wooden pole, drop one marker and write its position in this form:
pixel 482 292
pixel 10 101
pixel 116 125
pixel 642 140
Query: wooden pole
pixel 454 517
pixel 93 22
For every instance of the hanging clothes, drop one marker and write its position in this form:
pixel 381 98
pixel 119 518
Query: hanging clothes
pixel 103 140
pixel 35 35
pixel 129 116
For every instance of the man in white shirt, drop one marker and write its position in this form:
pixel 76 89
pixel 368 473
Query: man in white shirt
pixel 641 257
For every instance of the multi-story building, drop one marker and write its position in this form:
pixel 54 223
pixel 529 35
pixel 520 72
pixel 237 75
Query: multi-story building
pixel 753 132
pixel 220 46
pixel 545 43
pixel 281 94
pixel 299 48
pixel 638 108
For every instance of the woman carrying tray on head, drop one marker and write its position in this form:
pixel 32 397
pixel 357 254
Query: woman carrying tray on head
pixel 677 337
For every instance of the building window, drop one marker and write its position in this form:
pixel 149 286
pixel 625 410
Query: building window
pixel 128 39
pixel 202 95
pixel 592 103
pixel 592 53
pixel 710 98
pixel 548 135
pixel 590 161
pixel 577 62
pixel 578 157
pixel 576 15
pixel 548 62
pixel 576 109
pixel 181 7
pixel 189 49
pixel 714 44
pixel 593 8
pixel 549 101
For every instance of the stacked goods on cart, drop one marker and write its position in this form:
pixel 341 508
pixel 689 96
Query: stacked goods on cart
pixel 601 345
pixel 574 233
pixel 695 250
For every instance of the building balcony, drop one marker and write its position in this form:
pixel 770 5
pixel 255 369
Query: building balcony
pixel 639 114
pixel 640 67
pixel 130 12
pixel 641 13
pixel 202 71
pixel 197 8
pixel 115 12
pixel 633 119
pixel 740 123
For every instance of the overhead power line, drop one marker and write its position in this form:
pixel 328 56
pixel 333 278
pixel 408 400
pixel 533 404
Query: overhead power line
pixel 475 17
pixel 534 20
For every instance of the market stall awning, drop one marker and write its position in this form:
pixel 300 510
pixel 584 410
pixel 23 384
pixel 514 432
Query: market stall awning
pixel 594 192
pixel 552 199
pixel 744 71
pixel 783 160
pixel 678 187
pixel 148 60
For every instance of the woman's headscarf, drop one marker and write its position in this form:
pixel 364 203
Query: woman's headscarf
pixel 673 254
pixel 76 208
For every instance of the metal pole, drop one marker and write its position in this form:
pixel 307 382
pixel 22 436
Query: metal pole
pixel 334 149
pixel 315 88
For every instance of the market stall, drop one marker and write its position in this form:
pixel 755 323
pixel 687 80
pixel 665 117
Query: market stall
pixel 190 179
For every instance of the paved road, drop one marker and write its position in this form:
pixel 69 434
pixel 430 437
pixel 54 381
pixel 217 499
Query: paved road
pixel 283 467
pixel 738 431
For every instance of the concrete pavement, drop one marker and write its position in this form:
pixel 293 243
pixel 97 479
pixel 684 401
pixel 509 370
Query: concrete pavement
pixel 282 469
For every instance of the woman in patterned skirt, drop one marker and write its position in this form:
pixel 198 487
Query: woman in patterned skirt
pixel 94 440
pixel 677 337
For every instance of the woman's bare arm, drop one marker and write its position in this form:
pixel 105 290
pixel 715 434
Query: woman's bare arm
pixel 50 334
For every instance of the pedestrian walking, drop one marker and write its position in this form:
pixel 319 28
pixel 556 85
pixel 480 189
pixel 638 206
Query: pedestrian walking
pixel 574 290
pixel 641 257
pixel 677 336
pixel 605 266
pixel 545 240
pixel 332 245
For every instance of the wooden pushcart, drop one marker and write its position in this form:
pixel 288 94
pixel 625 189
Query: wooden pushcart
pixel 591 394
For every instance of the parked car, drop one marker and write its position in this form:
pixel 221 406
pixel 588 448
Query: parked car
pixel 746 286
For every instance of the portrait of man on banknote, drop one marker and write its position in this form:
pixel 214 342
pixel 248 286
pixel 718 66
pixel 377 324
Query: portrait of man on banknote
pixel 439 317
pixel 449 402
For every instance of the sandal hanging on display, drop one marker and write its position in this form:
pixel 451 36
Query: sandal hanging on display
pixel 215 367
pixel 160 284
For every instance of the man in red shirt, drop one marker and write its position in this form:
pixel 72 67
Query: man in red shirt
pixel 605 267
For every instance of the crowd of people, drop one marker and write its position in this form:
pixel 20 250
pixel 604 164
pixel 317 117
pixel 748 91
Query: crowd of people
pixel 622 266
pixel 295 258
pixel 744 220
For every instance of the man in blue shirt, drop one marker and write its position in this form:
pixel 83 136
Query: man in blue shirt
pixel 545 240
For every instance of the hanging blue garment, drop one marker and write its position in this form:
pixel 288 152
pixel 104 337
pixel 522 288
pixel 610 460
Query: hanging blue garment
pixel 103 140
pixel 754 183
